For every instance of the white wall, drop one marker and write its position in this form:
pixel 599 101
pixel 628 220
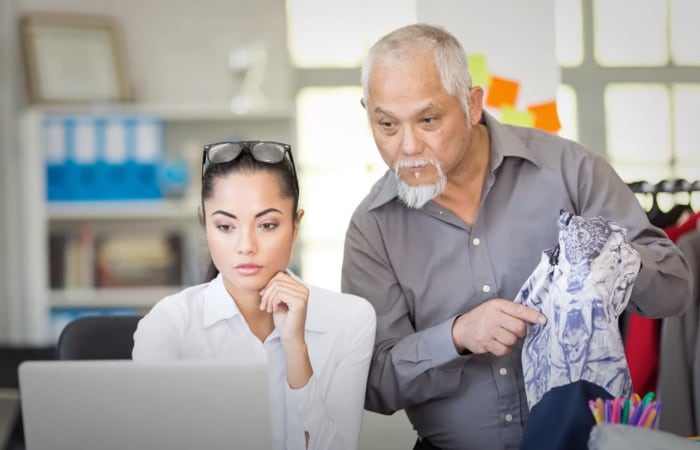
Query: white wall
pixel 516 36
pixel 177 49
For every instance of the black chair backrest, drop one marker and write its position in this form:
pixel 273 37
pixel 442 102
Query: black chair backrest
pixel 98 337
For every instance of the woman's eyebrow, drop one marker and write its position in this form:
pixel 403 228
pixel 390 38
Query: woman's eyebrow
pixel 267 211
pixel 233 216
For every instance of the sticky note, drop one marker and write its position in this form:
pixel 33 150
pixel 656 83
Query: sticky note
pixel 546 116
pixel 502 92
pixel 478 70
pixel 512 116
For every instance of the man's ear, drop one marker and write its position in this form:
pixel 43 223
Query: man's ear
pixel 476 104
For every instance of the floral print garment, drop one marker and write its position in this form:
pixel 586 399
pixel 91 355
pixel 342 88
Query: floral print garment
pixel 582 285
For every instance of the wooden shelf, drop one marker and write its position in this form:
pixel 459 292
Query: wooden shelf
pixel 174 112
pixel 122 210
pixel 136 297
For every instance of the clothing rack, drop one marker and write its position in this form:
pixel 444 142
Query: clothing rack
pixel 670 186
pixel 666 210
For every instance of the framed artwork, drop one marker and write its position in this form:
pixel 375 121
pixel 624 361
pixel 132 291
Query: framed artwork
pixel 73 58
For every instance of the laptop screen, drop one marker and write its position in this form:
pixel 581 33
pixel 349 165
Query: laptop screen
pixel 109 405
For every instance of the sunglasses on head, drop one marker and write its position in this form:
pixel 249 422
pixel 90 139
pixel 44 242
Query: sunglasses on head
pixel 267 152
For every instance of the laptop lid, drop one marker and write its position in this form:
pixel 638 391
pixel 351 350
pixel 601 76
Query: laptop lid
pixel 117 405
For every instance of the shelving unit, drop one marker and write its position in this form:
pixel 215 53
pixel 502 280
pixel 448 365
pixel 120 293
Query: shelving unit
pixel 185 129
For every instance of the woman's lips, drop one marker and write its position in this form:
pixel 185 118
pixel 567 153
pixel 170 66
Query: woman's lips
pixel 248 269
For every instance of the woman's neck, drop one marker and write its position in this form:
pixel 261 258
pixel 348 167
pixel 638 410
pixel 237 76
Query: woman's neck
pixel 260 322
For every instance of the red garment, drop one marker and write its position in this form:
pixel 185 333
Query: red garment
pixel 642 343
pixel 674 232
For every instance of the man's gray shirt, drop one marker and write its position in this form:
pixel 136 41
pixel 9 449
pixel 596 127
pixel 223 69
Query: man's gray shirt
pixel 422 268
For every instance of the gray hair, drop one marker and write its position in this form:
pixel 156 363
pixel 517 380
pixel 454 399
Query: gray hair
pixel 412 41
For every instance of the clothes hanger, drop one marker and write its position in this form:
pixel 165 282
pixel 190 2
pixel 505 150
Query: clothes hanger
pixel 664 219
pixel 646 188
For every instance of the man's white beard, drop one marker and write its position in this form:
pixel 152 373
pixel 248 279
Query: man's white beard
pixel 417 196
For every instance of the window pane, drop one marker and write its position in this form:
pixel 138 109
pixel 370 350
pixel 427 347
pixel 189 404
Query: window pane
pixel 337 33
pixel 568 112
pixel 685 32
pixel 630 32
pixel 637 118
pixel 569 32
pixel 322 265
pixel 333 133
pixel 648 172
pixel 686 110
pixel 329 199
pixel 690 172
pixel 338 163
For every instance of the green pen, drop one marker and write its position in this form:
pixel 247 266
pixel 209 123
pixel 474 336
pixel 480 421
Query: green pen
pixel 626 411
pixel 647 399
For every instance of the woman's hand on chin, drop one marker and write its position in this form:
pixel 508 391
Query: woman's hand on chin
pixel 287 300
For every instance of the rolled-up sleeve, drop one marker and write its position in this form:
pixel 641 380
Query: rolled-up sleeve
pixel 662 287
pixel 409 367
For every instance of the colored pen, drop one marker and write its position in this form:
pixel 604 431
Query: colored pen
pixel 636 399
pixel 645 413
pixel 600 407
pixel 616 403
pixel 636 414
pixel 626 411
pixel 648 398
pixel 649 422
pixel 591 406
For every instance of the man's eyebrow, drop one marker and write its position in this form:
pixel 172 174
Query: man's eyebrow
pixel 423 110
pixel 427 108
pixel 379 110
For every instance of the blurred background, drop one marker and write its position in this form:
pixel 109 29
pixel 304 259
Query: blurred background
pixel 104 108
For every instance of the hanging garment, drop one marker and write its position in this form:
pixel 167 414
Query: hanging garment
pixel 679 373
pixel 582 285
pixel 643 340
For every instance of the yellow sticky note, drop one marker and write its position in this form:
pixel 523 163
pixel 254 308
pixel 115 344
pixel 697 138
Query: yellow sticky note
pixel 479 70
pixel 502 92
pixel 546 116
pixel 512 116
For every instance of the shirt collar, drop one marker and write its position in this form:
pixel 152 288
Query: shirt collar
pixel 219 305
pixel 504 143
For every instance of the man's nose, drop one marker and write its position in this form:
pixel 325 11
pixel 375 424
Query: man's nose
pixel 410 143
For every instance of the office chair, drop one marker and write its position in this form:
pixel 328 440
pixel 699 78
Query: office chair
pixel 98 337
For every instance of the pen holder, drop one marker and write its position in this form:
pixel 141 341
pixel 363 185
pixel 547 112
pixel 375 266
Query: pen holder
pixel 633 410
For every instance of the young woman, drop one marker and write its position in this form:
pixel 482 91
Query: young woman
pixel 317 343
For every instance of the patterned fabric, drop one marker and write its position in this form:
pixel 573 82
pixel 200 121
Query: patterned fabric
pixel 582 285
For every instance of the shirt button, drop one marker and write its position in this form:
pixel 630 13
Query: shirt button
pixel 508 417
pixel 476 241
pixel 486 288
pixel 440 212
pixel 503 371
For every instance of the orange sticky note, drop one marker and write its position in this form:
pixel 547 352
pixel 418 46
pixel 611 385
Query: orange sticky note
pixel 511 116
pixel 478 70
pixel 546 116
pixel 502 92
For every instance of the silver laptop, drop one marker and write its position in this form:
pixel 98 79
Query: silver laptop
pixel 120 405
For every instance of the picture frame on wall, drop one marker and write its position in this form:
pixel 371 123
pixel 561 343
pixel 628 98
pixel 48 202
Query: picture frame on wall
pixel 73 58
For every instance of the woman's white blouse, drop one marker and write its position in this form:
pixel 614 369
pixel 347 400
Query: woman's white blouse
pixel 203 322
